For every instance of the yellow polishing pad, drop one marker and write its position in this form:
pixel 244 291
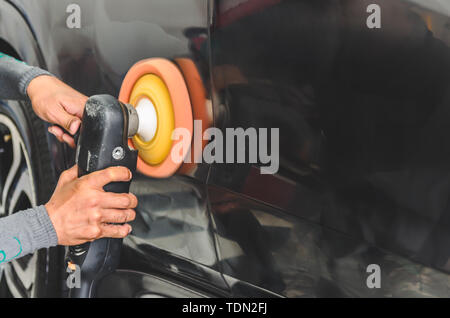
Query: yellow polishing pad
pixel 151 87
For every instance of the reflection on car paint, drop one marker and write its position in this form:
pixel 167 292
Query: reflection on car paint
pixel 173 216
pixel 363 118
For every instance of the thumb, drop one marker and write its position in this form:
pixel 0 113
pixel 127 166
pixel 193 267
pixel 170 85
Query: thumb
pixel 69 122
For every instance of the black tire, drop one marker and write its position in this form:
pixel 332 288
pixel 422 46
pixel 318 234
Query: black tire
pixel 43 269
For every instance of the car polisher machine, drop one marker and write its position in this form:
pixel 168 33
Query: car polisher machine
pixel 134 131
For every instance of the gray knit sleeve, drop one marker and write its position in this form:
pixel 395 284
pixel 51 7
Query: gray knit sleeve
pixel 25 232
pixel 15 77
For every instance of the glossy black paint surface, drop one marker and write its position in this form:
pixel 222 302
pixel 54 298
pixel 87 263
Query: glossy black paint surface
pixel 364 147
pixel 364 140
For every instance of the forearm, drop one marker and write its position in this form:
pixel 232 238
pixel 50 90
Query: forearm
pixel 25 232
pixel 15 77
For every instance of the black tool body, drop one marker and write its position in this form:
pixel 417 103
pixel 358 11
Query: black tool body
pixel 102 143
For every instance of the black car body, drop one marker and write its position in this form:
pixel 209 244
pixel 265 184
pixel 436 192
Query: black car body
pixel 364 121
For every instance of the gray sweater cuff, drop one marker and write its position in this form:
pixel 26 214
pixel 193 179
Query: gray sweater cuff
pixel 15 77
pixel 28 76
pixel 42 227
pixel 25 232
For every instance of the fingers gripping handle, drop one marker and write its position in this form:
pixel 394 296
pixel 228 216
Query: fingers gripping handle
pixel 102 143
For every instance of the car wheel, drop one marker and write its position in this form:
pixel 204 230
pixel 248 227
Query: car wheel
pixel 26 180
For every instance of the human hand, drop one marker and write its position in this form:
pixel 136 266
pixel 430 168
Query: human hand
pixel 82 211
pixel 57 103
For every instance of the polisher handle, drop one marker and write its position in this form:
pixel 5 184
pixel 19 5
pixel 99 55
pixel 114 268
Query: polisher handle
pixel 102 144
